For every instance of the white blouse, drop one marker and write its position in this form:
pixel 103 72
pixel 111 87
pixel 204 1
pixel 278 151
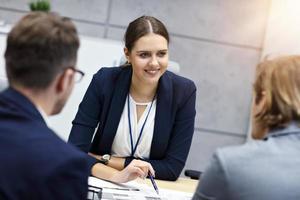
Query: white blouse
pixel 121 146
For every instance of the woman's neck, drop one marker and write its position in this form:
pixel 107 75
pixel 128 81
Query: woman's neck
pixel 142 93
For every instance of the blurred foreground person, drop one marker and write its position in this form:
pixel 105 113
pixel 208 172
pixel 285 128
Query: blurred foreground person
pixel 268 167
pixel 40 65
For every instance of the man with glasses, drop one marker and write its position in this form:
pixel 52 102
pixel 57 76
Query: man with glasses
pixel 40 57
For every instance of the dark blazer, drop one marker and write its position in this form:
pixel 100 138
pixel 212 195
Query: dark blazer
pixel 36 163
pixel 103 104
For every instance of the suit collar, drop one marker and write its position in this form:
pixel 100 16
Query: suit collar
pixel 22 102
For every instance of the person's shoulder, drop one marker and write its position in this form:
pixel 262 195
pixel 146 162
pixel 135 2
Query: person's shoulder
pixel 109 75
pixel 48 146
pixel 231 158
pixel 237 151
pixel 58 158
pixel 67 151
pixel 111 71
pixel 180 84
pixel 178 79
pixel 38 146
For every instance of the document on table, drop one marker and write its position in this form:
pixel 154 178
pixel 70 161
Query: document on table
pixel 132 190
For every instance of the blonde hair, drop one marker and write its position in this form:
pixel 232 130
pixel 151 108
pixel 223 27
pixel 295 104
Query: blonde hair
pixel 278 81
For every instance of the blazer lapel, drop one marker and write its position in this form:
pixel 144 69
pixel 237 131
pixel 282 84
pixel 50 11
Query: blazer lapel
pixel 163 116
pixel 115 110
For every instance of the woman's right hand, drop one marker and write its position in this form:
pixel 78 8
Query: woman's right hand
pixel 137 168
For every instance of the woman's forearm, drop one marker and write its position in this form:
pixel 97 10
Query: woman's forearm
pixel 114 162
pixel 104 172
pixel 135 169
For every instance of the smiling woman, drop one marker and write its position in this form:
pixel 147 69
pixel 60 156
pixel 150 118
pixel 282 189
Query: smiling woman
pixel 149 62
pixel 143 113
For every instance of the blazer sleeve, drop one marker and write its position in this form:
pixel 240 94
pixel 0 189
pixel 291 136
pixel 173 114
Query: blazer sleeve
pixel 69 180
pixel 213 184
pixel 170 167
pixel 87 117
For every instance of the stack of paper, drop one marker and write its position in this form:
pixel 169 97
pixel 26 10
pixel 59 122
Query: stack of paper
pixel 132 190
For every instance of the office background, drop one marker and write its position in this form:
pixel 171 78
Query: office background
pixel 216 42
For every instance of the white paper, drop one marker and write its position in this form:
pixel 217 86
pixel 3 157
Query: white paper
pixel 134 190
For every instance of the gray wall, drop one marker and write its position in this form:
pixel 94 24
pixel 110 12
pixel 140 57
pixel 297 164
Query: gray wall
pixel 216 42
pixel 3 84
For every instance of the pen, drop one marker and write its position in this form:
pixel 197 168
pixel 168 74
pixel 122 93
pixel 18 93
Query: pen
pixel 153 182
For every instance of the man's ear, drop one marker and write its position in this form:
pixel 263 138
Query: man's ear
pixel 126 52
pixel 64 81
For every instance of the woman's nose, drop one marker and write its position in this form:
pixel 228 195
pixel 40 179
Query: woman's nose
pixel 154 61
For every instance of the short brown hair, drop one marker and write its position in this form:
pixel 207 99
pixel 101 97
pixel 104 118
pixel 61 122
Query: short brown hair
pixel 279 81
pixel 39 46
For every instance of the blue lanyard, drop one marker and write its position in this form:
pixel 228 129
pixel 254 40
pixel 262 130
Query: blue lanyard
pixel 133 149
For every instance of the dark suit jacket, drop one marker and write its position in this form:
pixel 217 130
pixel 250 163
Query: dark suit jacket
pixel 35 163
pixel 104 101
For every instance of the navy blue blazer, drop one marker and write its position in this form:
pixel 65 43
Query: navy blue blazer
pixel 103 105
pixel 36 163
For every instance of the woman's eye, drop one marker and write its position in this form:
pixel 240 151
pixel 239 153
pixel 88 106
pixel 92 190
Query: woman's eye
pixel 161 54
pixel 144 55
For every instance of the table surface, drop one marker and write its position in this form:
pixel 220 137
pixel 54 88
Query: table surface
pixel 182 184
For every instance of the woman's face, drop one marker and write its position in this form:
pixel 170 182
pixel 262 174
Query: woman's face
pixel 149 58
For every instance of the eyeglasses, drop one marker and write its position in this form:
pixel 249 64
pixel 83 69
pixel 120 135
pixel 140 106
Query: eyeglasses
pixel 78 74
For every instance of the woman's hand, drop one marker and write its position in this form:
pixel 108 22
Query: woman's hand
pixel 137 168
